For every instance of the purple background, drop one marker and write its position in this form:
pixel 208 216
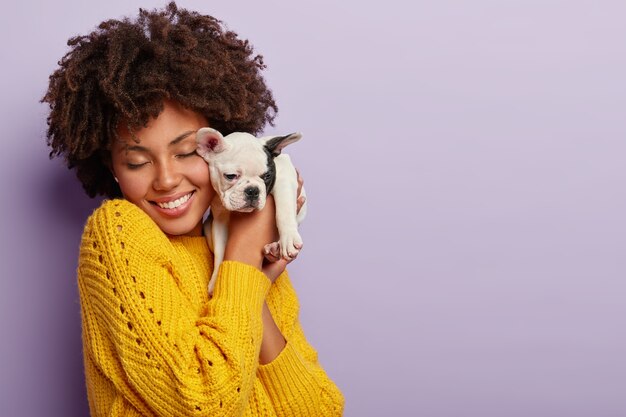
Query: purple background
pixel 464 161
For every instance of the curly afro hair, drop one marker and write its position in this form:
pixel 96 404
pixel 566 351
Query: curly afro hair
pixel 123 72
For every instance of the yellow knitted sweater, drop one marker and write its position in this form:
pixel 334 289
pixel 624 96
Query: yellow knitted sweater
pixel 155 345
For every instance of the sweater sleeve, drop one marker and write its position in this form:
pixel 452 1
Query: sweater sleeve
pixel 295 382
pixel 165 356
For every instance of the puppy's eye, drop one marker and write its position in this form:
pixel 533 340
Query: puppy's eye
pixel 265 176
pixel 230 177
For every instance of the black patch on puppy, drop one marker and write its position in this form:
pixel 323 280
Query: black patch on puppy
pixel 269 177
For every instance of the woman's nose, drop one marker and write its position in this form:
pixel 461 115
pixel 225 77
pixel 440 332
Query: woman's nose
pixel 167 177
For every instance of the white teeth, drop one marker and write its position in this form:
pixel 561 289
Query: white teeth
pixel 175 203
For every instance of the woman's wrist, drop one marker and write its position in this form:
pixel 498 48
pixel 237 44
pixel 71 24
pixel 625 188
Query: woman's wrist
pixel 244 253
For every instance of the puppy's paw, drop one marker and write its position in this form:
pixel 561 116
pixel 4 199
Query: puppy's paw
pixel 290 245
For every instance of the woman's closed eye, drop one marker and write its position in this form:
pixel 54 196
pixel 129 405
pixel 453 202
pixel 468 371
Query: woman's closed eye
pixel 186 155
pixel 132 165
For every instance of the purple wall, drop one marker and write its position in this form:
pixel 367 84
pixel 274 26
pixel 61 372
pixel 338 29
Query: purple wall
pixel 466 238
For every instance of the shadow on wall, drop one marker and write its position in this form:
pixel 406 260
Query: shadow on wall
pixel 67 200
pixel 67 209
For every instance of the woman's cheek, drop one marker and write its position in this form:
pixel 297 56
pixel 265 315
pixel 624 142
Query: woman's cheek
pixel 201 172
pixel 134 184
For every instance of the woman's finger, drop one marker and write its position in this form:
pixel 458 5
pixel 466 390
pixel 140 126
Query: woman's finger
pixel 300 203
pixel 273 269
pixel 271 257
pixel 300 182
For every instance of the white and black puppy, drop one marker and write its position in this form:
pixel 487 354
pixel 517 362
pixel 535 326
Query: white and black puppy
pixel 244 169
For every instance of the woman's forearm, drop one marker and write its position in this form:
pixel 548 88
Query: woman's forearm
pixel 248 233
pixel 273 340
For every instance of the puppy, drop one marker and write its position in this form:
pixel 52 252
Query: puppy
pixel 244 169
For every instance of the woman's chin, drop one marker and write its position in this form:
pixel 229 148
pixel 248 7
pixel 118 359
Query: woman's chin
pixel 181 229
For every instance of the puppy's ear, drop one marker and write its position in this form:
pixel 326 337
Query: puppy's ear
pixel 209 141
pixel 275 144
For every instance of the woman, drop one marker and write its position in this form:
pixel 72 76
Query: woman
pixel 124 107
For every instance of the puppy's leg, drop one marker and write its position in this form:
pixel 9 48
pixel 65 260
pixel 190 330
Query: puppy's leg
pixel 207 227
pixel 217 240
pixel 285 194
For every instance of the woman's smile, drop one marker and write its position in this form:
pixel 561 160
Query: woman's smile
pixel 174 206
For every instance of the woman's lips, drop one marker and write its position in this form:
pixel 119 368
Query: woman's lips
pixel 177 211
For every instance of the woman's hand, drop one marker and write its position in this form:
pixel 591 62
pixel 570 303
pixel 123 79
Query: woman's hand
pixel 301 199
pixel 248 233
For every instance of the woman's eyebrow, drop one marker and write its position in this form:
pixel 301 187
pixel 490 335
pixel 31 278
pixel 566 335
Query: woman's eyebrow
pixel 181 137
pixel 137 148
pixel 174 141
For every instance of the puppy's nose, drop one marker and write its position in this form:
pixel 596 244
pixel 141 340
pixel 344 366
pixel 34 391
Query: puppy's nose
pixel 252 193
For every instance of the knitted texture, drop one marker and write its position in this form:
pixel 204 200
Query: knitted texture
pixel 155 345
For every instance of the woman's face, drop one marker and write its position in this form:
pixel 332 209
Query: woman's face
pixel 162 173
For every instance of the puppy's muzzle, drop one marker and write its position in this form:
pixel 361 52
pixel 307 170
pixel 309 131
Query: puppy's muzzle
pixel 251 194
